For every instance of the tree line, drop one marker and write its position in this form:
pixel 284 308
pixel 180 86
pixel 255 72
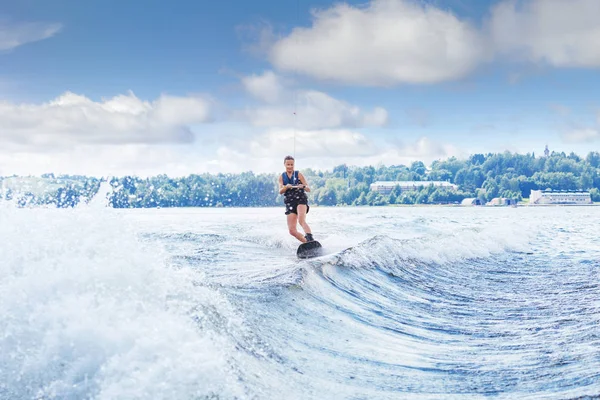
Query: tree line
pixel 485 176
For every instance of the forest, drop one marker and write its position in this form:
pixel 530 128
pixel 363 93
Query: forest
pixel 485 176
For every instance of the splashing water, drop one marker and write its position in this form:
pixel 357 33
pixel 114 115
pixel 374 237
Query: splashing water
pixel 432 302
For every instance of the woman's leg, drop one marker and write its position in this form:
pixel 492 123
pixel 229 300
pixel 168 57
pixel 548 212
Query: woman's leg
pixel 302 218
pixel 292 221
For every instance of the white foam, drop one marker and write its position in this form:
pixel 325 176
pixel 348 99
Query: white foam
pixel 88 310
pixel 100 198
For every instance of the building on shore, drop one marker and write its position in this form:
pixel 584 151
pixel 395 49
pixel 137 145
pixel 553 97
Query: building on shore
pixel 559 197
pixel 470 201
pixel 502 201
pixel 386 187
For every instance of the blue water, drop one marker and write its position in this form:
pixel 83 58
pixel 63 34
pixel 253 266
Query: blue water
pixel 408 302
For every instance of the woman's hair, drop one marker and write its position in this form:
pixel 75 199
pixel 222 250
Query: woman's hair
pixel 288 158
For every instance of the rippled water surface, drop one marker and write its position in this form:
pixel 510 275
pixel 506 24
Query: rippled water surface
pixel 407 302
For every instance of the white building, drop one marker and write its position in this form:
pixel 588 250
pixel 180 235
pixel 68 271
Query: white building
pixel 545 197
pixel 386 187
pixel 470 201
pixel 502 201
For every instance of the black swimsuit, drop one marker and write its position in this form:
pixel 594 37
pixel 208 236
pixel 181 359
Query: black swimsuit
pixel 294 196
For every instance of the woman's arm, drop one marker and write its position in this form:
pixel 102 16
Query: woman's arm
pixel 304 182
pixel 282 188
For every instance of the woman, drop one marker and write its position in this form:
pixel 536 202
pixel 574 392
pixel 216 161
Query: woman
pixel 293 186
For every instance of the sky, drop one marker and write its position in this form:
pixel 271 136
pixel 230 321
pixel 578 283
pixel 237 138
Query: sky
pixel 183 87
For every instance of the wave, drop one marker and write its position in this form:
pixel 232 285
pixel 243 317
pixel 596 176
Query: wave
pixel 89 311
pixel 479 314
pixel 95 305
pixel 428 257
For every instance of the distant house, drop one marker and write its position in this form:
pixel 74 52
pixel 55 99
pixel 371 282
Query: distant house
pixel 559 197
pixel 471 201
pixel 502 201
pixel 386 187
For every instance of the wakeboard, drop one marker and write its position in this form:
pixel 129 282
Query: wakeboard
pixel 310 249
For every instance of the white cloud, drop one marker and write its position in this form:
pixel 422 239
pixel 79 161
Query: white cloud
pixel 74 119
pixel 331 143
pixel 322 150
pixel 314 110
pixel 422 149
pixel 384 43
pixel 558 32
pixel 261 153
pixel 581 135
pixel 325 148
pixel 103 160
pixel 241 150
pixel 426 149
pixel 388 42
pixel 13 34
pixel 378 117
pixel 267 87
pixel 575 133
pixel 126 135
